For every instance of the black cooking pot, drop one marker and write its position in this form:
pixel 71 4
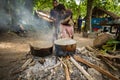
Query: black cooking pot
pixel 41 49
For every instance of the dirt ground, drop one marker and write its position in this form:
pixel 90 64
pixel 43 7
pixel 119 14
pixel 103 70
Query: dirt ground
pixel 13 49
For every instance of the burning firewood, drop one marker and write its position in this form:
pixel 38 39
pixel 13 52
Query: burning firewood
pixel 32 63
pixel 24 66
pixel 69 66
pixel 82 69
pixel 78 58
pixel 26 63
pixel 63 69
pixel 66 69
pixel 108 59
pixel 53 66
pixel 91 54
pixel 67 72
pixel 109 63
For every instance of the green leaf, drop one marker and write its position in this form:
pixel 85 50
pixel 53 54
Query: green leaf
pixel 113 42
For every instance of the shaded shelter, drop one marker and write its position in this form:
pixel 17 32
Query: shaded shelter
pixel 115 22
pixel 101 12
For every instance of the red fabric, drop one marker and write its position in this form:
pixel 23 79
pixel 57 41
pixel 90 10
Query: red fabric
pixel 95 29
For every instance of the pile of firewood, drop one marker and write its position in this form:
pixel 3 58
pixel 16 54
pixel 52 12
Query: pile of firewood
pixel 85 64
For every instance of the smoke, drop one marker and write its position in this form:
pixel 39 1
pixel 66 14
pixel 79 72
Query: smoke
pixel 4 20
pixel 18 14
pixel 41 28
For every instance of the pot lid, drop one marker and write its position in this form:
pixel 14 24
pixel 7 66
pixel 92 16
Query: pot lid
pixel 65 41
pixel 41 44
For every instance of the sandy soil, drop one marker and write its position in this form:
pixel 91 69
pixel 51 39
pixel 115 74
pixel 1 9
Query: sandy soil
pixel 13 49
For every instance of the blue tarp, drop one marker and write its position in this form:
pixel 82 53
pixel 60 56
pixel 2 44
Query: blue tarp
pixel 96 22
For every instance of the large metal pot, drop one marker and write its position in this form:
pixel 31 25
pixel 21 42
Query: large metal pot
pixel 41 48
pixel 65 46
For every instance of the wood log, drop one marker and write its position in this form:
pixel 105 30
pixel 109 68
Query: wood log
pixel 78 58
pixel 69 66
pixel 32 63
pixel 96 52
pixel 26 63
pixel 109 63
pixel 66 70
pixel 53 66
pixel 81 69
pixel 89 48
pixel 16 72
pixel 99 54
pixel 108 56
pixel 91 54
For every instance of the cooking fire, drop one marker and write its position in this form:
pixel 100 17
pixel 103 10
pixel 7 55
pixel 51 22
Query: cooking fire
pixel 65 62
pixel 59 40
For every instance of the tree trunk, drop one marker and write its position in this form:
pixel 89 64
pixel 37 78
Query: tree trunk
pixel 88 18
pixel 79 10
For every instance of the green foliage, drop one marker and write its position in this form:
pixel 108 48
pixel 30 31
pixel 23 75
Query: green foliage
pixel 113 41
pixel 110 45
pixel 110 5
pixel 44 5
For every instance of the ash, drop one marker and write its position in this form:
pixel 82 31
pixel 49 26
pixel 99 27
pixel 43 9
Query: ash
pixel 43 69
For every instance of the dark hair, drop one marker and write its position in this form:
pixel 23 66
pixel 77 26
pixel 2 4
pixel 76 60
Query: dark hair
pixel 60 7
pixel 55 1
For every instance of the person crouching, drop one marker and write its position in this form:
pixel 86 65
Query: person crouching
pixel 66 27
